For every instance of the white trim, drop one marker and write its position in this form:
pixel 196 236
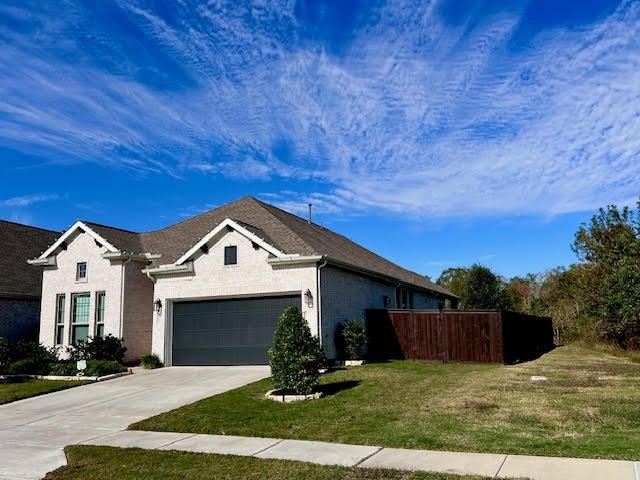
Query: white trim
pixel 292 260
pixel 240 229
pixel 169 269
pixel 47 262
pixel 78 225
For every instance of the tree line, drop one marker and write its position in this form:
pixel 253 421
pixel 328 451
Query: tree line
pixel 595 299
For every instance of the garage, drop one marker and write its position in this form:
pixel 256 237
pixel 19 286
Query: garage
pixel 227 331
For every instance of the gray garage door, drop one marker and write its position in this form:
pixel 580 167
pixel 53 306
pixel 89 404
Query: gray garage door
pixel 227 332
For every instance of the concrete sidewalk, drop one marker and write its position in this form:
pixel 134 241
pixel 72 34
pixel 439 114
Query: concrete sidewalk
pixel 485 464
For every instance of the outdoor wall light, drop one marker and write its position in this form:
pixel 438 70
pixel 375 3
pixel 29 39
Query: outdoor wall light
pixel 308 298
pixel 157 306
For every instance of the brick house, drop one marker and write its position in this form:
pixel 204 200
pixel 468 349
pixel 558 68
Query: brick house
pixel 208 290
pixel 20 284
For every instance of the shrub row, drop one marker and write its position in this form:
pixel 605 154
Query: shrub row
pixel 103 356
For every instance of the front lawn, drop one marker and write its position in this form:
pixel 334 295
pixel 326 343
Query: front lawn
pixel 588 407
pixel 106 463
pixel 16 389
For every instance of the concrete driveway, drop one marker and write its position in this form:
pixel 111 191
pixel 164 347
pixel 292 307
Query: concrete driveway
pixel 33 432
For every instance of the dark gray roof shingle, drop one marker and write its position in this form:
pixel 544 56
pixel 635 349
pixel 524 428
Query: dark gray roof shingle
pixel 18 243
pixel 285 231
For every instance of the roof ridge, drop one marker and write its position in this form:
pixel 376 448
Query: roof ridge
pixel 29 226
pixel 88 222
pixel 264 206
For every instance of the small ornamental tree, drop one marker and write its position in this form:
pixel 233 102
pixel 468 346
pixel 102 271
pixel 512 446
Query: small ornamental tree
pixel 351 338
pixel 296 355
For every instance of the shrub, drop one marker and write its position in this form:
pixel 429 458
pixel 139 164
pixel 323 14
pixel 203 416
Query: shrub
pixel 25 356
pixel 352 338
pixel 63 368
pixel 27 366
pixel 295 355
pixel 5 354
pixel 150 361
pixel 98 368
pixel 98 348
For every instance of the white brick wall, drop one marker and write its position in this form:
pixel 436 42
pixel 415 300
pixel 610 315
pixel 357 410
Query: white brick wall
pixel 252 276
pixel 101 276
pixel 345 296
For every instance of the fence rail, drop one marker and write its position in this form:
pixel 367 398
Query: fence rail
pixel 485 336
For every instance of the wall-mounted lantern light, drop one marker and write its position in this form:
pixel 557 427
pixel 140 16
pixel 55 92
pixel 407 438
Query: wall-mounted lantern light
pixel 157 306
pixel 308 298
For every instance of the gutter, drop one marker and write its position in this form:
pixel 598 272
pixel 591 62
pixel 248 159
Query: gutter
pixel 169 269
pixel 45 262
pixel 295 260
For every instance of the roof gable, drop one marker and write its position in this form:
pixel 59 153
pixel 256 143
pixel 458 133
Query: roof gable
pixel 78 226
pixel 222 226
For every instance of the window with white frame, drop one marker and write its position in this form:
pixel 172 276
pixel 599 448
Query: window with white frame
pixel 79 317
pixel 231 255
pixel 100 299
pixel 60 301
pixel 81 271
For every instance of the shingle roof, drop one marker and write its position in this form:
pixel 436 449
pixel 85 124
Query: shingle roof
pixel 18 243
pixel 285 231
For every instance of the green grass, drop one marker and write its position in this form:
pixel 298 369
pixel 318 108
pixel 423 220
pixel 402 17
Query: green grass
pixel 17 389
pixel 589 407
pixel 106 463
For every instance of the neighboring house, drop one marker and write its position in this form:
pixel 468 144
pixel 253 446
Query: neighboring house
pixel 208 290
pixel 20 284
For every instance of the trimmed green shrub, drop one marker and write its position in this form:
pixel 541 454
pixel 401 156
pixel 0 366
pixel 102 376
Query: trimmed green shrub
pixel 29 358
pixel 98 368
pixel 68 369
pixel 98 348
pixel 26 366
pixel 150 361
pixel 351 339
pixel 295 356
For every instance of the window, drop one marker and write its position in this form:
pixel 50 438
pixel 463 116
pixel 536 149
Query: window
pixel 81 271
pixel 404 298
pixel 60 299
pixel 100 298
pixel 231 255
pixel 79 317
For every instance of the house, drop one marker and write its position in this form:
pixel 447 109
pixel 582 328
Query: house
pixel 20 284
pixel 208 290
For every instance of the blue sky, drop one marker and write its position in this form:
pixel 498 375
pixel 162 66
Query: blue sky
pixel 435 133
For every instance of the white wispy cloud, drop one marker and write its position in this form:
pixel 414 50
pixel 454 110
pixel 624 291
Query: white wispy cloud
pixel 413 115
pixel 28 200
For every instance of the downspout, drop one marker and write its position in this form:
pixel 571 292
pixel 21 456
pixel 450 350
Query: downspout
pixel 319 294
pixel 122 277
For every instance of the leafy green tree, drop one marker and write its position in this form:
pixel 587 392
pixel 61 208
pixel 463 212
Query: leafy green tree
pixel 610 245
pixel 296 355
pixel 454 279
pixel 482 289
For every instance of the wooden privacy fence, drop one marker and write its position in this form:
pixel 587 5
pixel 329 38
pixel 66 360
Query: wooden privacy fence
pixel 485 336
